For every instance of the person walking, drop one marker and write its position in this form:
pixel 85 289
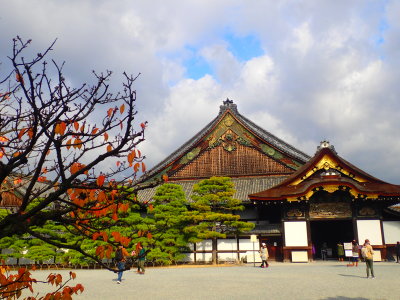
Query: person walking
pixel 120 257
pixel 264 256
pixel 368 254
pixel 398 252
pixel 141 259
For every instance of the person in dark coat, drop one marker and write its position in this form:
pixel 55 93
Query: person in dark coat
pixel 398 252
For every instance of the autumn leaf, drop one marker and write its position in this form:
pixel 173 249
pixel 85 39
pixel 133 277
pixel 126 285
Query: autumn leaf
pixel 76 126
pixel 149 236
pixel 22 132
pixel 3 139
pixel 122 108
pixel 136 167
pixel 106 136
pixel 110 112
pixel 94 130
pixel 19 78
pixel 143 167
pixel 42 179
pixel 60 128
pixel 165 177
pixel 100 180
pixel 109 148
pixel 143 125
pixel 69 144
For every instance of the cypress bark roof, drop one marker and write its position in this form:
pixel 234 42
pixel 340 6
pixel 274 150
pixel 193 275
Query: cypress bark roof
pixel 230 145
pixel 229 131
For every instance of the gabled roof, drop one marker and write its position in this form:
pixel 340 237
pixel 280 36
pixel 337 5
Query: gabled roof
pixel 231 131
pixel 328 171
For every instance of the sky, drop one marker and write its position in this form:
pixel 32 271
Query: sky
pixel 304 70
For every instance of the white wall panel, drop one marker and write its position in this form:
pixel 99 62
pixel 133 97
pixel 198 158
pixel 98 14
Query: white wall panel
pixel 247 244
pixel 204 245
pixel 391 230
pixel 369 229
pixel 227 244
pixel 296 233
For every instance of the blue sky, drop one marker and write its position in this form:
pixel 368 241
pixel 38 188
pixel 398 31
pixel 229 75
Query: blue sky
pixel 305 70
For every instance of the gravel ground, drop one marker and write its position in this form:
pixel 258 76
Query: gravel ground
pixel 317 280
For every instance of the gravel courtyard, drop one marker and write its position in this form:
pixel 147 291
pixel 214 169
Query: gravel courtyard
pixel 317 280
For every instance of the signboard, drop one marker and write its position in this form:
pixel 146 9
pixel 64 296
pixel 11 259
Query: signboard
pixel 348 246
pixel 253 238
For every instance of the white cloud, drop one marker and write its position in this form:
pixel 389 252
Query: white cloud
pixel 329 70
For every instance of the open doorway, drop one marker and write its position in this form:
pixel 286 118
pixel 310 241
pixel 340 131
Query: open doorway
pixel 330 232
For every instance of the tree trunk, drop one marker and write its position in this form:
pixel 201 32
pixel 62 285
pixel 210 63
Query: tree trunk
pixel 214 251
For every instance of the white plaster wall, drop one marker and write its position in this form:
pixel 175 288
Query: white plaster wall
pixel 369 229
pixel 295 233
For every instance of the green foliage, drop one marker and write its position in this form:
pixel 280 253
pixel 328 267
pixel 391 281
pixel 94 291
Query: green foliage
pixel 169 238
pixel 211 215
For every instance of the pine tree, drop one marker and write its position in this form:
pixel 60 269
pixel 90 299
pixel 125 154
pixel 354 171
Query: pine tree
pixel 212 211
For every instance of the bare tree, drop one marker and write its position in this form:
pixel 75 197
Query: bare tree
pixel 70 153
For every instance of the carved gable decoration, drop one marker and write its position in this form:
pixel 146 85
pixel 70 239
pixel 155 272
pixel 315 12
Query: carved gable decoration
pixel 330 210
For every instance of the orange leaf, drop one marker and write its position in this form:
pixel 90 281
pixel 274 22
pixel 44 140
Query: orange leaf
pixel 143 125
pixel 109 148
pixel 76 126
pixel 41 179
pixel 3 139
pixel 100 180
pixel 94 131
pixel 106 136
pixel 122 108
pixel 149 236
pixel 151 207
pixel 22 132
pixel 69 144
pixel 30 133
pixel 19 78
pixel 143 167
pixel 110 111
pixel 60 128
pixel 95 236
pixel 78 143
pixel 136 167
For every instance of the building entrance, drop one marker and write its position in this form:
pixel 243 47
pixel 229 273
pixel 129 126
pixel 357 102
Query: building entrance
pixel 330 233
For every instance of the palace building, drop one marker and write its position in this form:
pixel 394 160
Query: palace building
pixel 296 202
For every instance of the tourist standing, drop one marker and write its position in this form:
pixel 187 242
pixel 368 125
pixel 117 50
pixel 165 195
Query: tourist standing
pixel 398 252
pixel 120 257
pixel 354 256
pixel 264 256
pixel 324 251
pixel 368 254
pixel 340 251
pixel 141 259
